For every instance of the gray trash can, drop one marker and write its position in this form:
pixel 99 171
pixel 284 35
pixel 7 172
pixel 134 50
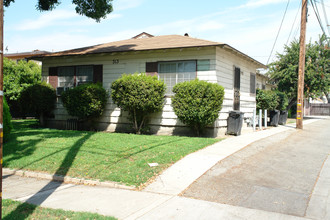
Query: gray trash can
pixel 274 117
pixel 283 117
pixel 234 123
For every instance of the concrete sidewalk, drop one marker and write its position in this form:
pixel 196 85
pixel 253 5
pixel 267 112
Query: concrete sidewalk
pixel 160 199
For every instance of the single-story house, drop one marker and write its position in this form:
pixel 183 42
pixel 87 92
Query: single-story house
pixel 173 58
pixel 263 82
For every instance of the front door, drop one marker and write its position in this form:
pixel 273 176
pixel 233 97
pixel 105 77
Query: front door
pixel 237 86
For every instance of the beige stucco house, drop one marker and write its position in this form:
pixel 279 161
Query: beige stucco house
pixel 173 58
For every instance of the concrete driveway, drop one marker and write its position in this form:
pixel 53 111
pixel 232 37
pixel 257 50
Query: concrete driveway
pixel 276 174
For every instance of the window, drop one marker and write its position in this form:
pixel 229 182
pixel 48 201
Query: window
pixel 175 72
pixel 84 74
pixel 203 65
pixel 252 83
pixel 64 77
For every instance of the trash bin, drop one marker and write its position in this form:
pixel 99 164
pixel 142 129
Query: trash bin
pixel 234 123
pixel 274 116
pixel 283 117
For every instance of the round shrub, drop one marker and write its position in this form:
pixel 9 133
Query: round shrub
pixel 38 99
pixel 7 125
pixel 140 95
pixel 266 99
pixel 85 101
pixel 197 103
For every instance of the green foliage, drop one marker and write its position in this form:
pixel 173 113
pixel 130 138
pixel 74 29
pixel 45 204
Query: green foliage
pixel 284 71
pixel 197 103
pixel 7 125
pixel 17 77
pixel 38 99
pixel 140 95
pixel 282 100
pixel 92 9
pixel 85 101
pixel 18 210
pixel 267 99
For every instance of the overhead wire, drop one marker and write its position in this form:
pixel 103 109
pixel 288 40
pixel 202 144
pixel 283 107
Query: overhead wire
pixel 278 32
pixel 325 16
pixel 318 17
pixel 293 24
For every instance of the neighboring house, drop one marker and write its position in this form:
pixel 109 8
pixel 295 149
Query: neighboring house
pixel 26 55
pixel 173 58
pixel 262 82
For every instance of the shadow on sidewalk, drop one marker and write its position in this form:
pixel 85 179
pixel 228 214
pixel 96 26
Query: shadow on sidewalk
pixel 51 187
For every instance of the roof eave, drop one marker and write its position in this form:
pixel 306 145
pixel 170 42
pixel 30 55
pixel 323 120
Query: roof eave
pixel 122 51
pixel 261 65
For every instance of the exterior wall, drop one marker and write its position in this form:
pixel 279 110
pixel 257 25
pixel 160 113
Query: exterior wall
pixel 114 65
pixel 225 62
pixel 262 81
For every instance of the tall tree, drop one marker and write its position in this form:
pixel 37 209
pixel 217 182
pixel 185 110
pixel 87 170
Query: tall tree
pixel 284 71
pixel 95 9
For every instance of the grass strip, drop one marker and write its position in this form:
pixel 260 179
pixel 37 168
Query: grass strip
pixel 14 210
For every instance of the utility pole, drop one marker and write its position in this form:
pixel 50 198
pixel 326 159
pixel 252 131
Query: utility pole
pixel 301 71
pixel 1 100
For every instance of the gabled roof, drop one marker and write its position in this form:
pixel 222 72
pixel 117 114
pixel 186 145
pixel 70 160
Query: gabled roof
pixel 149 43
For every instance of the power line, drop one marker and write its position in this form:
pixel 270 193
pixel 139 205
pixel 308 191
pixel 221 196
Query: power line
pixel 325 16
pixel 293 23
pixel 278 31
pixel 318 17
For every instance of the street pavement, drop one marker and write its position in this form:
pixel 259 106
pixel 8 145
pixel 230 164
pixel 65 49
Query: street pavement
pixel 263 178
pixel 275 174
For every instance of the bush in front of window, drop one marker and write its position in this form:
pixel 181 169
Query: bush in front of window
pixel 39 100
pixel 197 103
pixel 86 101
pixel 140 95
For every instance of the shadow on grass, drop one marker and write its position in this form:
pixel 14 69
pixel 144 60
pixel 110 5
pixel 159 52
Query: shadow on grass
pixel 15 149
pixel 47 190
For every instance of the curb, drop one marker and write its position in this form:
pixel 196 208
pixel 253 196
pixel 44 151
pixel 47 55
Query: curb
pixel 65 179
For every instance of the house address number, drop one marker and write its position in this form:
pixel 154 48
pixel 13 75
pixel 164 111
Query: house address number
pixel 115 61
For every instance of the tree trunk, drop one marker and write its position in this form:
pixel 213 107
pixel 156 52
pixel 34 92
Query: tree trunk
pixel 42 119
pixel 291 103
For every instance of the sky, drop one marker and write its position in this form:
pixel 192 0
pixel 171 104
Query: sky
pixel 250 26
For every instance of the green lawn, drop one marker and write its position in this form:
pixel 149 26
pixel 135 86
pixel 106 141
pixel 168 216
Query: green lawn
pixel 95 155
pixel 13 210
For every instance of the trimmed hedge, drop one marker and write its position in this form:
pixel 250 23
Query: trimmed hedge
pixel 85 101
pixel 38 99
pixel 7 125
pixel 197 103
pixel 140 95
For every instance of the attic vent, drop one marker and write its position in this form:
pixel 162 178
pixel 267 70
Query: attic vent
pixel 142 35
pixel 186 35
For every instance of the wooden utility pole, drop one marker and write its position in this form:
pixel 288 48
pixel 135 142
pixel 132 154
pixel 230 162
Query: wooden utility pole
pixel 301 71
pixel 1 100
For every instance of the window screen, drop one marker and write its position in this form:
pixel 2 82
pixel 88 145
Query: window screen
pixel 84 74
pixel 175 72
pixel 66 76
